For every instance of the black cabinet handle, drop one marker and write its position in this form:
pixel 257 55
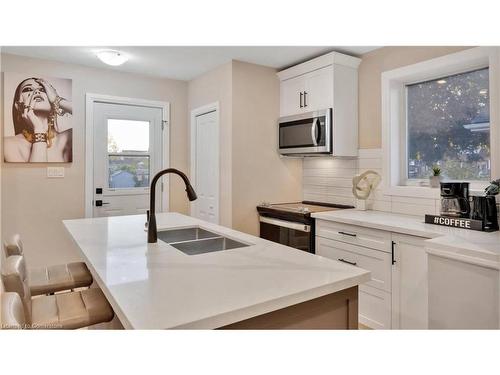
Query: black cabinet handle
pixel 346 261
pixel 348 234
pixel 393 259
pixel 301 94
pixel 305 98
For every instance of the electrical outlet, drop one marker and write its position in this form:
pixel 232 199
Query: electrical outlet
pixel 55 172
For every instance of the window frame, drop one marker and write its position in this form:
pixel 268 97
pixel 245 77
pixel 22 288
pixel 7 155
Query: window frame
pixel 394 116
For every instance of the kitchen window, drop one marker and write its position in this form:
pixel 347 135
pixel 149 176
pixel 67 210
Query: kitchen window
pixel 441 112
pixel 448 125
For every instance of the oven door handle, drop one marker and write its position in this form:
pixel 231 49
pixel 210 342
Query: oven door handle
pixel 286 224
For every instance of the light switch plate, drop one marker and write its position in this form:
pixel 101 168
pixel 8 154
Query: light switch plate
pixel 55 172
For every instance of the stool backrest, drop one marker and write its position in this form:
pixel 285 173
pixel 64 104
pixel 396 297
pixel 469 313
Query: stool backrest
pixel 12 246
pixel 14 278
pixel 12 311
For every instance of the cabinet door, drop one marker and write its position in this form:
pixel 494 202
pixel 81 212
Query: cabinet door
pixel 318 92
pixel 291 96
pixel 374 307
pixel 374 296
pixel 409 283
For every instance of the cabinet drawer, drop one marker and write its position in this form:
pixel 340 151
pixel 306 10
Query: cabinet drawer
pixel 374 307
pixel 372 238
pixel 375 261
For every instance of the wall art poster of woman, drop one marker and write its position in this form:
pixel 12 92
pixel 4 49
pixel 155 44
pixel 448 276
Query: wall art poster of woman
pixel 38 119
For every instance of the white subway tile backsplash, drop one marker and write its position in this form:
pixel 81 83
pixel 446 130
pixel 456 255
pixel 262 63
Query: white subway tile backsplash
pixel 379 205
pixel 331 190
pixel 329 163
pixel 333 172
pixel 412 209
pixel 329 180
pixel 329 199
pixel 415 201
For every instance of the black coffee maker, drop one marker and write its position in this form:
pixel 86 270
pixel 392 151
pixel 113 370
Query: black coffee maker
pixel 484 208
pixel 455 199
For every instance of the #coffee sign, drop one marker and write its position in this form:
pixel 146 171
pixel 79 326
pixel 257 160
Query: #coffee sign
pixel 456 222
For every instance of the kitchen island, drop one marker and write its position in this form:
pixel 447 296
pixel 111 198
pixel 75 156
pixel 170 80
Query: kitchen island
pixel 259 285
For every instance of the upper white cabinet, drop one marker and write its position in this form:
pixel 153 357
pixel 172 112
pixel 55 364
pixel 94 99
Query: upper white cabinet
pixel 292 96
pixel 328 81
pixel 318 93
pixel 307 92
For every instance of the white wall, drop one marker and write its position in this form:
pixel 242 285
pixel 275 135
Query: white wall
pixel 251 169
pixel 216 86
pixel 259 173
pixel 373 64
pixel 34 205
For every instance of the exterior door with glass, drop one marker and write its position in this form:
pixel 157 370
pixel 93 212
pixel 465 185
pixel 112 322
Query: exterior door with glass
pixel 127 153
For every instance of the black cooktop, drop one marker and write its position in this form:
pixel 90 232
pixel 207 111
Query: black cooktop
pixel 297 211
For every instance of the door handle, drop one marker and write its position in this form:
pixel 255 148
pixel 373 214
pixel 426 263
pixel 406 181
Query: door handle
pixel 314 132
pixel 301 95
pixel 285 224
pixel 393 259
pixel 305 98
pixel 348 234
pixel 346 261
pixel 99 203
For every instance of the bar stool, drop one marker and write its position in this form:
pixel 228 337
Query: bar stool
pixel 48 280
pixel 70 310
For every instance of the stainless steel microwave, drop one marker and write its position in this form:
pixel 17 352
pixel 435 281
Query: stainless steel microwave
pixel 307 134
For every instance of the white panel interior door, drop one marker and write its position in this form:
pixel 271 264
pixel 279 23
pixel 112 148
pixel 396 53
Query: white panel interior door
pixel 206 166
pixel 127 153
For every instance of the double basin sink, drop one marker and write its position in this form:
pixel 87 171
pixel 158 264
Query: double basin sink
pixel 196 240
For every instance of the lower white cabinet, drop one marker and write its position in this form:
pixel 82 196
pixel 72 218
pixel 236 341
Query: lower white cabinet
pixel 397 295
pixel 409 283
pixel 377 262
pixel 462 295
pixel 374 307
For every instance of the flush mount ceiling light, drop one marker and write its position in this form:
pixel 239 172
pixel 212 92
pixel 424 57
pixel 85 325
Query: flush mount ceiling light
pixel 112 57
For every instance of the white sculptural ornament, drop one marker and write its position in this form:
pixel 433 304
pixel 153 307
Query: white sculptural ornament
pixel 363 185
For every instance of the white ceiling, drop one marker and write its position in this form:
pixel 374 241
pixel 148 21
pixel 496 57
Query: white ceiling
pixel 184 63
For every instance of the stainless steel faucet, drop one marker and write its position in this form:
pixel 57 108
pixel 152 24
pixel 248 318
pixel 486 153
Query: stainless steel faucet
pixel 152 230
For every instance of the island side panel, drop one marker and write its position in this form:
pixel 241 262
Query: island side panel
pixel 334 311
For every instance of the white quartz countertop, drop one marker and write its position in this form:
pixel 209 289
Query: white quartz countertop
pixel 153 286
pixel 481 248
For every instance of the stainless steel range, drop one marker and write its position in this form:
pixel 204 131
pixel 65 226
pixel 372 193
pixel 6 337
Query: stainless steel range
pixel 291 224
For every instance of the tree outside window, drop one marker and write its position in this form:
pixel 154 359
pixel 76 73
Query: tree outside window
pixel 448 124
